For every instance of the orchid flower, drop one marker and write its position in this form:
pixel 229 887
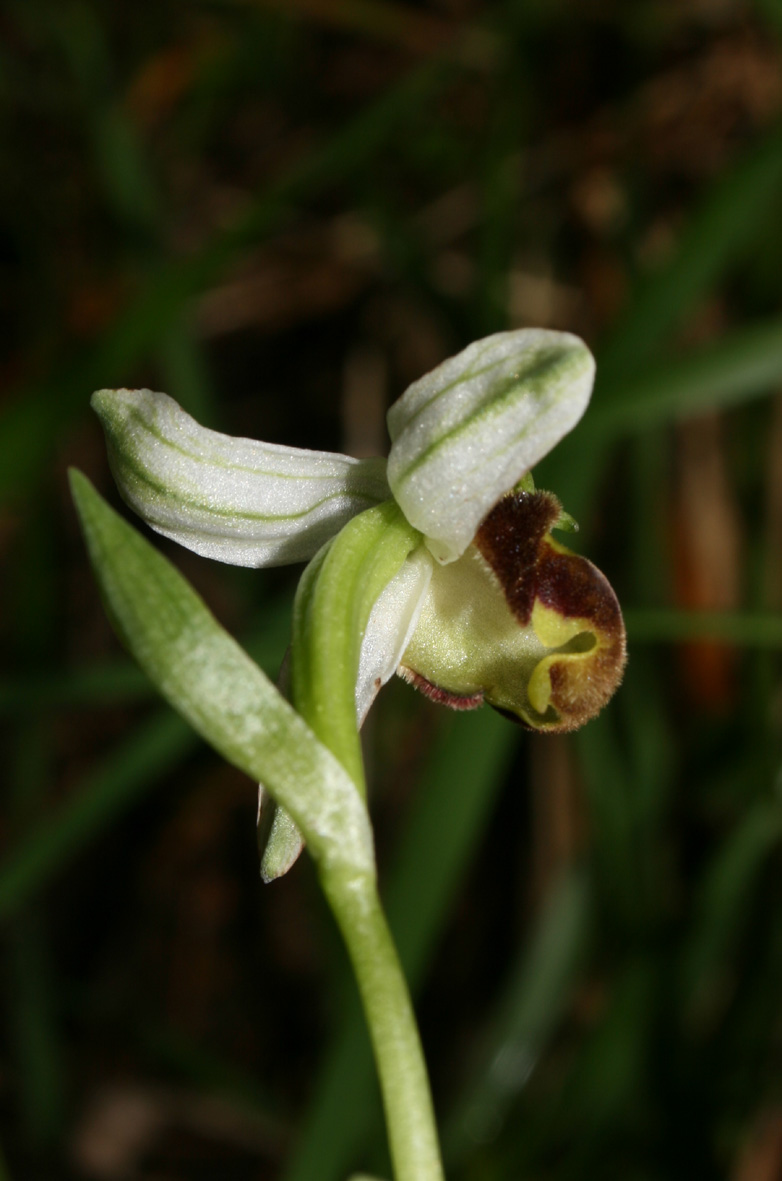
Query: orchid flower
pixel 470 599
pixel 486 606
pixel 438 564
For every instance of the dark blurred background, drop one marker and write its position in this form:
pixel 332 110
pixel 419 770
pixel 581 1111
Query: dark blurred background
pixel 281 213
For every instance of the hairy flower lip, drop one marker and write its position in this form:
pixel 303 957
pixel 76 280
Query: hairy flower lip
pixel 567 600
pixel 552 645
pixel 457 701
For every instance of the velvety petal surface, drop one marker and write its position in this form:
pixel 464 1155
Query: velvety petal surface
pixel 464 434
pixel 236 500
pixel 390 628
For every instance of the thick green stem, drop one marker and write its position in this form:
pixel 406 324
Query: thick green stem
pixel 333 606
pixel 407 1100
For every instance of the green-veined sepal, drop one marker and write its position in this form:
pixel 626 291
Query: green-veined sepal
pixel 236 500
pixel 464 434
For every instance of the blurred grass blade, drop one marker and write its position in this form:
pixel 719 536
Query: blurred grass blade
pixel 613 1065
pixel 119 680
pixel 723 902
pixel 183 367
pixel 36 1036
pixel 749 630
pixel 729 219
pixel 130 771
pixel 464 772
pixel 103 684
pixel 746 364
pixel 135 767
pixel 398 24
pixel 32 992
pixel 728 223
pixel 612 819
pixel 772 10
pixel 537 991
pixel 219 690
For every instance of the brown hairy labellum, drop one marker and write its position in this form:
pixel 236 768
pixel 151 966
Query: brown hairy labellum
pixel 522 623
pixel 534 572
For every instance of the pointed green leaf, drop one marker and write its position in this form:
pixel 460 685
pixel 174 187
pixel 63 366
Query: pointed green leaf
pixel 220 691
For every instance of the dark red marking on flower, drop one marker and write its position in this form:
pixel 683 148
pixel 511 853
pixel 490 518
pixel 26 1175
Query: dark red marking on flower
pixel 515 541
pixel 438 695
pixel 511 540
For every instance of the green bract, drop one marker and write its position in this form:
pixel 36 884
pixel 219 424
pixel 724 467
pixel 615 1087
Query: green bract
pixel 217 687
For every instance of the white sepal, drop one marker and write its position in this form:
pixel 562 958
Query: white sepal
pixel 465 433
pixel 233 499
pixel 390 627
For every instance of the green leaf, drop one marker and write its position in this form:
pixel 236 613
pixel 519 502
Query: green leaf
pixel 219 690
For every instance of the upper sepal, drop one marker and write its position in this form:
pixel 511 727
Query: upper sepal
pixel 236 500
pixel 464 434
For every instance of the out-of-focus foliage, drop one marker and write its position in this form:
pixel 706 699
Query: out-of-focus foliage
pixel 281 213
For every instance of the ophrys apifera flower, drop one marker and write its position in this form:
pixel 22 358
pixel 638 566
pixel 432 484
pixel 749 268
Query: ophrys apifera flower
pixel 487 605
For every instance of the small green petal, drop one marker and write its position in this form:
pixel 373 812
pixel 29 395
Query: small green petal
pixel 463 435
pixel 334 603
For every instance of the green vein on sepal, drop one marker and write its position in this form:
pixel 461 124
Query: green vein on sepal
pixel 232 499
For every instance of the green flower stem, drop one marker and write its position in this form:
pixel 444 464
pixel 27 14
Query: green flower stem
pixel 407 1100
pixel 335 598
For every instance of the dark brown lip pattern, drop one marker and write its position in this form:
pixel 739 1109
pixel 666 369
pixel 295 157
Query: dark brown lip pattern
pixel 515 541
